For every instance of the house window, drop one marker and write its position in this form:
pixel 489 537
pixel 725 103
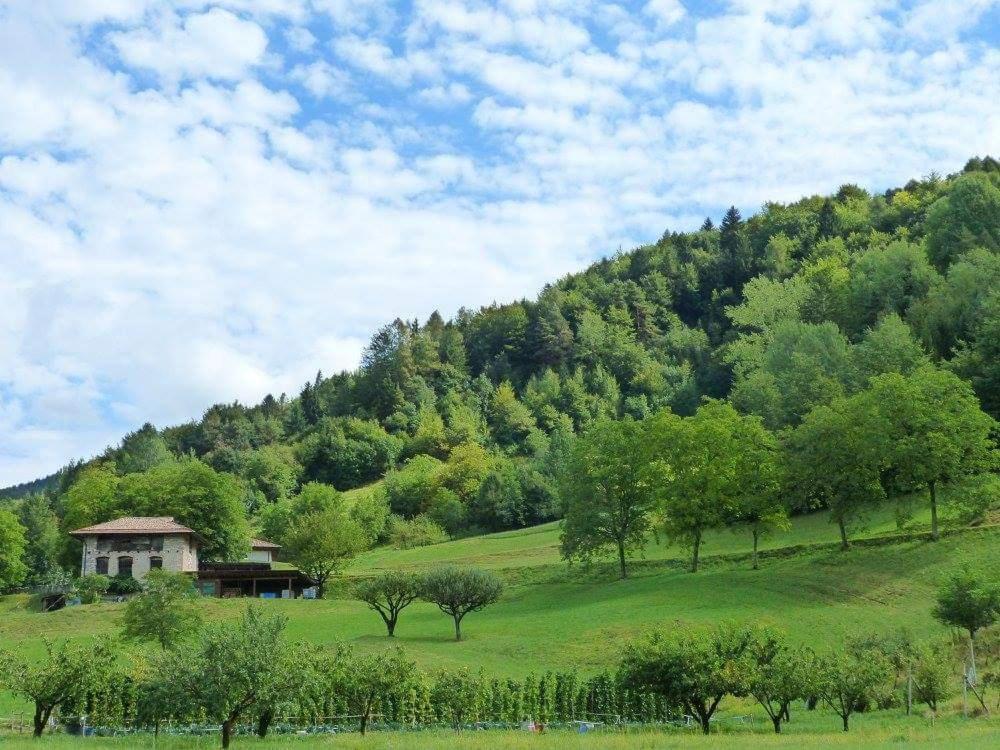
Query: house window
pixel 155 563
pixel 125 566
pixel 102 566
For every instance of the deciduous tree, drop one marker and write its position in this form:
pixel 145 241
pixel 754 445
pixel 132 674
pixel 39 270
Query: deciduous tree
pixel 608 499
pixel 166 612
pixel 389 594
pixel 458 591
pixel 321 543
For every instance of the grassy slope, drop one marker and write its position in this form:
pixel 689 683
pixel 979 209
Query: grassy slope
pixel 553 617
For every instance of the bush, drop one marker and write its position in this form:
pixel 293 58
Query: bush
pixel 124 585
pixel 92 587
pixel 416 532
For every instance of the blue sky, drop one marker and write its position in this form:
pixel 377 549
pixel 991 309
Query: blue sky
pixel 202 202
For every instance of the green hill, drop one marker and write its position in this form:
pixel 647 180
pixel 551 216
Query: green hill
pixel 555 617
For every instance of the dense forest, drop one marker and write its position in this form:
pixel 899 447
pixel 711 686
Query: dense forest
pixel 471 421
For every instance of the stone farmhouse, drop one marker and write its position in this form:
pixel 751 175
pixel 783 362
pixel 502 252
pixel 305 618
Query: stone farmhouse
pixel 133 546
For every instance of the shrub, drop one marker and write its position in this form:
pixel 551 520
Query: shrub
pixel 124 585
pixel 92 587
pixel 416 532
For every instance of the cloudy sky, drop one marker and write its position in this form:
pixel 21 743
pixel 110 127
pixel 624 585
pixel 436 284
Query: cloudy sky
pixel 202 202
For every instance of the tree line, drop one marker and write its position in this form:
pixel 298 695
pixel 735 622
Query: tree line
pixel 628 479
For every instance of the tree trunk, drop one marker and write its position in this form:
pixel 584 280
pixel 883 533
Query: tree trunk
pixel 694 552
pixel 390 625
pixel 320 588
pixel 705 726
pixel 458 628
pixel 621 559
pixel 844 544
pixel 227 732
pixel 776 719
pixel 934 523
pixel 845 717
pixel 264 722
pixel 756 536
pixel 785 714
pixel 364 721
pixel 41 717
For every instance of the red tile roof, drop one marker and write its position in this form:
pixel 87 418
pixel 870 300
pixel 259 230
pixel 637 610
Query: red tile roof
pixel 263 544
pixel 136 525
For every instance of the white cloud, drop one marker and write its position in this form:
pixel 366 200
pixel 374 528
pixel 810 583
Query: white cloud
pixel 666 12
pixel 216 44
pixel 253 210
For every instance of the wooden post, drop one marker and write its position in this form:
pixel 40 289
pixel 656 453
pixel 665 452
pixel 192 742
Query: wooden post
pixel 290 594
pixel 254 588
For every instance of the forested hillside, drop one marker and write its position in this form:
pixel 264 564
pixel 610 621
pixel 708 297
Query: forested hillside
pixel 471 421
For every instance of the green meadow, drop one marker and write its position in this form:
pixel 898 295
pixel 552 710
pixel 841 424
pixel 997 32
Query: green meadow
pixel 554 616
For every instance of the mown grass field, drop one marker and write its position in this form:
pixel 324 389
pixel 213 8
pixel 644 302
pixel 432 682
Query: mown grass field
pixel 556 617
pixel 889 729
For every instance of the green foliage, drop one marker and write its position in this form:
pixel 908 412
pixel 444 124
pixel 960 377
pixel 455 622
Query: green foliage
pixel 968 600
pixel 835 459
pixel 238 669
pixel 933 675
pixel 92 587
pixel 936 431
pixel 41 530
pixel 712 467
pixel 197 496
pixel 60 679
pixel 459 591
pixel 847 681
pixel 695 669
pixel 141 451
pixel 389 594
pixel 166 612
pixel 420 531
pixel 320 543
pixel 967 217
pixel 124 585
pixel 347 452
pixel 12 548
pixel 456 695
pixel 608 503
pixel 777 674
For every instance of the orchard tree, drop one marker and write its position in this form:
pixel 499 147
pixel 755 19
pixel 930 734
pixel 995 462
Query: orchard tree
pixel 371 678
pixel 236 670
pixel 836 458
pixel 458 591
pixel 711 467
pixel 608 500
pixel 167 612
pixel 847 680
pixel 456 696
pixel 969 601
pixel 933 675
pixel 321 543
pixel 936 430
pixel 695 669
pixel 12 548
pixel 778 674
pixel 389 594
pixel 61 678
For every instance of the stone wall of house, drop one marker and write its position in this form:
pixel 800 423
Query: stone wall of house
pixel 178 554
